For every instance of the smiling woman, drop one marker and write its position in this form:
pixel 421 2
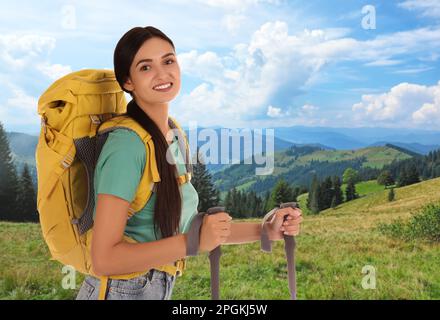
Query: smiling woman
pixel 146 67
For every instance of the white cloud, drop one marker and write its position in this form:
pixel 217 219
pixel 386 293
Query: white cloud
pixel 404 105
pixel 25 70
pixel 383 63
pixel 236 6
pixel 427 8
pixel 54 71
pixel 16 51
pixel 275 64
pixel 309 108
pixel 233 22
pixel 274 112
pixel 20 109
pixel 413 70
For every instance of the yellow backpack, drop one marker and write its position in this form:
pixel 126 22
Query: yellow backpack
pixel 77 113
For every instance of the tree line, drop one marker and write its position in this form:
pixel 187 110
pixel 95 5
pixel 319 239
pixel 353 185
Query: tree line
pixel 17 191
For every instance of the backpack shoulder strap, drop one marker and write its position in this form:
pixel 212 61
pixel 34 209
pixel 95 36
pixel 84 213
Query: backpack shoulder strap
pixel 151 173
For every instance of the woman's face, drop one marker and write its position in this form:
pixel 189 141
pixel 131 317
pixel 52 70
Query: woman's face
pixel 154 64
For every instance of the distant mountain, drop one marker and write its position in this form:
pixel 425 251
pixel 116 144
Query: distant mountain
pixel 304 135
pixel 354 138
pixel 415 147
pixel 22 144
pixel 23 148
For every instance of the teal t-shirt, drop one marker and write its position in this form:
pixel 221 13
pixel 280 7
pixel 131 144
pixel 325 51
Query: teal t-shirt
pixel 118 172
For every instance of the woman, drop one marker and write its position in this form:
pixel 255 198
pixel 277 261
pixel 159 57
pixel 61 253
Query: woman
pixel 146 67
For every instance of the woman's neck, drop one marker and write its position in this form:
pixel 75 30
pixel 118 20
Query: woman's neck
pixel 159 114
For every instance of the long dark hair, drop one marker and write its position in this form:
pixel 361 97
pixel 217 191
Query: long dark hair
pixel 167 210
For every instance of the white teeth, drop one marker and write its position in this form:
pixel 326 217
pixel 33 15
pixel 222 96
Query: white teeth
pixel 164 86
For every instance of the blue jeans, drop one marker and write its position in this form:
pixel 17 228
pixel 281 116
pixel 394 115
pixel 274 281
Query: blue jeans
pixel 154 285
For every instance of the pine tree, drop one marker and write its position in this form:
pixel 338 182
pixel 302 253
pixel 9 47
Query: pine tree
pixel 402 180
pixel 27 206
pixel 266 202
pixel 281 193
pixel 385 179
pixel 338 195
pixel 333 205
pixel 327 193
pixel 350 174
pixel 391 195
pixel 412 174
pixel 9 187
pixel 202 182
pixel 227 203
pixel 314 196
pixel 312 189
pixel 350 192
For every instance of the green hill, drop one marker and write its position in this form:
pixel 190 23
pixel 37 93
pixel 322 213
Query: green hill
pixel 332 250
pixel 298 163
pixel 363 188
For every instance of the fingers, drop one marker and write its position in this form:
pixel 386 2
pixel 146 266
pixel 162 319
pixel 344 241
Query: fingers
pixel 221 225
pixel 220 216
pixel 291 230
pixel 295 213
pixel 293 218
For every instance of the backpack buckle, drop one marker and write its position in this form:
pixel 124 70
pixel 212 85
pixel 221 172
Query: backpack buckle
pixel 180 265
pixel 95 119
pixel 43 124
pixel 67 161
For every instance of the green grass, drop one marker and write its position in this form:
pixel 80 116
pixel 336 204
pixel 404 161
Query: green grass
pixel 366 187
pixel 332 249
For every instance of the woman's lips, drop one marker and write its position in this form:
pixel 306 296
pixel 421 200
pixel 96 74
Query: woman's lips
pixel 161 88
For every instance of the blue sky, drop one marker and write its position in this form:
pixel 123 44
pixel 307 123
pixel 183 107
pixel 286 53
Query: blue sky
pixel 250 63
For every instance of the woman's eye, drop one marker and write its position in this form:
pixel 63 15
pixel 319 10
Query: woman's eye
pixel 143 68
pixel 170 60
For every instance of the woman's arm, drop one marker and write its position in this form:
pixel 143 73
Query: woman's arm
pixel 244 232
pixel 111 255
pixel 247 232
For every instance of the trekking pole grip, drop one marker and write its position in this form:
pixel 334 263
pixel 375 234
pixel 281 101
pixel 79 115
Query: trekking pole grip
pixel 214 261
pixel 289 248
pixel 193 235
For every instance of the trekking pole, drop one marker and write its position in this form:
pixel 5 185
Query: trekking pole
pixel 193 242
pixel 289 246
pixel 214 262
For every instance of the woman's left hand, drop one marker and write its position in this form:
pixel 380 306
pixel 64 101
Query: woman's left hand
pixel 278 228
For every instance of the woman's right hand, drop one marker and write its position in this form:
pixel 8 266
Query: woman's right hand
pixel 215 229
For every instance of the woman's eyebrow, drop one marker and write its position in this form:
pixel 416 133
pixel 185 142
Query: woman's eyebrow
pixel 150 60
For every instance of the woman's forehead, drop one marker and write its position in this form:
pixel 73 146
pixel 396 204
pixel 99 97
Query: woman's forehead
pixel 154 49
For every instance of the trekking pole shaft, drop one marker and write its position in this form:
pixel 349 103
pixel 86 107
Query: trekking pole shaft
pixel 214 261
pixel 289 248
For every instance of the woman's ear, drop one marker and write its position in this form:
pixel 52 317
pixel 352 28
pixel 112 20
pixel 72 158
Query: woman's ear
pixel 128 85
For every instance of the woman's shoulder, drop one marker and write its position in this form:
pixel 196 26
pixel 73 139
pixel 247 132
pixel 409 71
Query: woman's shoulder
pixel 125 138
pixel 124 142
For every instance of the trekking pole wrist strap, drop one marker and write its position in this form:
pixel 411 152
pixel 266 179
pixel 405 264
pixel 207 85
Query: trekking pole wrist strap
pixel 193 235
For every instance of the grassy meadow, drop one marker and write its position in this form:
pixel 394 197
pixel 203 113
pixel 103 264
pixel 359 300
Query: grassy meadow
pixel 332 250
